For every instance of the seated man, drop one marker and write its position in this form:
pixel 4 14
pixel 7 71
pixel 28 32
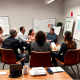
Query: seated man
pixel 24 40
pixel 14 44
pixel 51 36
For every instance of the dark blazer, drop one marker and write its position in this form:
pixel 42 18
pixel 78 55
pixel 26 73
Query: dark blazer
pixel 64 48
pixel 52 37
pixel 12 43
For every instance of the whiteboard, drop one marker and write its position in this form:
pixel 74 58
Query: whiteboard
pixel 68 25
pixel 4 23
pixel 43 24
pixel 76 34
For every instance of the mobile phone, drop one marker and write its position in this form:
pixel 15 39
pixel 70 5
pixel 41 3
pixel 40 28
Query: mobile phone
pixel 49 70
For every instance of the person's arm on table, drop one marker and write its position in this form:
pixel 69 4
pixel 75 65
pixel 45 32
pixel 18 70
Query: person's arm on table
pixel 48 40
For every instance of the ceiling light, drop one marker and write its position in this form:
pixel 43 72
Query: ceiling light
pixel 50 1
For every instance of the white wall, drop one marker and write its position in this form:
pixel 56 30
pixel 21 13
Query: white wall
pixel 71 6
pixel 21 12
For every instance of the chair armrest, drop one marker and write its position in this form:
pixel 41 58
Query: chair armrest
pixel 20 60
pixel 60 61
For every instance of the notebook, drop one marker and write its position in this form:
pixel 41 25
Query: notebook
pixel 37 71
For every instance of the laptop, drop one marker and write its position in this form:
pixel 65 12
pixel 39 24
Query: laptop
pixel 15 67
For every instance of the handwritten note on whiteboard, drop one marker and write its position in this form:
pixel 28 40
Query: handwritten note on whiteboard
pixel 4 23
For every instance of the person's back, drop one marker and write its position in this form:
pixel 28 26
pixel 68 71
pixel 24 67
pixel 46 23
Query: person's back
pixel 45 47
pixel 66 45
pixel 40 44
pixel 64 48
pixel 11 43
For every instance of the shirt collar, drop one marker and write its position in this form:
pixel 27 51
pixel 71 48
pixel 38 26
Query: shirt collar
pixel 52 34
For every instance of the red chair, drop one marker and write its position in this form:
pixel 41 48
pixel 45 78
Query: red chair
pixel 40 59
pixel 8 57
pixel 71 58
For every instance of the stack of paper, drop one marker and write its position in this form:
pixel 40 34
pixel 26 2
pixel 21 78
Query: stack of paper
pixel 53 45
pixel 2 73
pixel 56 69
pixel 38 71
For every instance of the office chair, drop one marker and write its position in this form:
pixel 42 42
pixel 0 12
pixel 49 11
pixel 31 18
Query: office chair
pixel 8 57
pixel 71 58
pixel 40 59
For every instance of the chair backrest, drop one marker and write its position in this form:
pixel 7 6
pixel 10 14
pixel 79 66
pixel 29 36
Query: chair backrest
pixel 72 57
pixel 40 59
pixel 8 56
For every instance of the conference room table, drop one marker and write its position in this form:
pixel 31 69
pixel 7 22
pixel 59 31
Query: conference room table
pixel 54 76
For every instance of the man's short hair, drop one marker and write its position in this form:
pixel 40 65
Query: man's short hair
pixel 52 29
pixel 0 28
pixel 12 32
pixel 21 28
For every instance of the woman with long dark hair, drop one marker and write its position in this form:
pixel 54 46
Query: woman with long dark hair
pixel 67 44
pixel 40 44
pixel 31 35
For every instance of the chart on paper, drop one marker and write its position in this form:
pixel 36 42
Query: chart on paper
pixel 68 25
pixel 76 34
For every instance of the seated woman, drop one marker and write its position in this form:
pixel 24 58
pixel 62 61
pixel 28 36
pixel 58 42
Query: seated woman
pixel 67 44
pixel 31 35
pixel 1 37
pixel 40 44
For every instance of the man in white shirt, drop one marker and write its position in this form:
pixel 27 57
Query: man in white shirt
pixel 24 39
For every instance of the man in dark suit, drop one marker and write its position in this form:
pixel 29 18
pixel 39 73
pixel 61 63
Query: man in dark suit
pixel 14 44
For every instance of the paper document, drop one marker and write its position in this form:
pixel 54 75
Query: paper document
pixel 32 73
pixel 3 73
pixel 57 29
pixel 53 45
pixel 56 69
pixel 38 71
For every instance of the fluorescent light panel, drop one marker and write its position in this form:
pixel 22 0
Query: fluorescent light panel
pixel 50 1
